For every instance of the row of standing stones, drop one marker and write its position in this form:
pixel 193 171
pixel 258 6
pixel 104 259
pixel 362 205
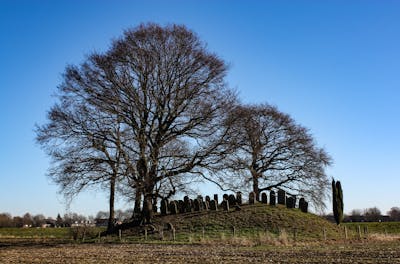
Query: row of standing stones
pixel 229 201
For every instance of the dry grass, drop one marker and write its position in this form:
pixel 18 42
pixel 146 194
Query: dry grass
pixel 384 237
pixel 260 239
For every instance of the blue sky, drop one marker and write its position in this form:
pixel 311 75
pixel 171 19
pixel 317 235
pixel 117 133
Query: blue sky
pixel 332 65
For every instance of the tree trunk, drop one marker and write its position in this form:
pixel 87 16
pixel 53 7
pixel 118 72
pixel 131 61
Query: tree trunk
pixel 111 217
pixel 138 201
pixel 255 186
pixel 147 212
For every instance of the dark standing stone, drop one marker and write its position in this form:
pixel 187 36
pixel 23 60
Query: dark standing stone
pixel 272 198
pixel 188 207
pixel 239 198
pixel 225 197
pixel 264 198
pixel 232 200
pixel 303 205
pixel 301 202
pixel 225 205
pixel 201 202
pixel 164 207
pixel 208 199
pixel 181 206
pixel 294 201
pixel 196 205
pixel 289 202
pixel 173 207
pixel 213 205
pixel 281 197
pixel 191 205
pixel 206 205
pixel 252 197
pixel 216 198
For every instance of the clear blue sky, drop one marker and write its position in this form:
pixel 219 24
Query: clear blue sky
pixel 332 65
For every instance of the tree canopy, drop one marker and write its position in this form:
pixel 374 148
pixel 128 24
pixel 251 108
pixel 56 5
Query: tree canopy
pixel 155 101
pixel 153 114
pixel 271 151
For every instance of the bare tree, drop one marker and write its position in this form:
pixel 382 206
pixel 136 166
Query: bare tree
pixel 168 95
pixel 102 215
pixel 18 221
pixel 39 220
pixel 272 151
pixel 394 213
pixel 6 220
pixel 27 220
pixel 356 215
pixel 81 142
pixel 372 214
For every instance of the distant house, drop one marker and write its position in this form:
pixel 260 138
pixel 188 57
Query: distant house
pixel 49 223
pixel 385 218
pixel 82 223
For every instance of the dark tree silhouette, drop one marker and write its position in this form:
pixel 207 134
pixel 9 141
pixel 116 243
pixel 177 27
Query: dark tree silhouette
pixel 272 151
pixel 156 101
pixel 337 200
pixel 81 141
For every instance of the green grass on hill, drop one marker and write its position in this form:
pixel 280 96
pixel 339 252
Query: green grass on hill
pixel 251 221
pixel 258 222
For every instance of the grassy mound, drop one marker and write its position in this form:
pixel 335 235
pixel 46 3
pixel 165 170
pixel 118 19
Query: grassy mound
pixel 250 221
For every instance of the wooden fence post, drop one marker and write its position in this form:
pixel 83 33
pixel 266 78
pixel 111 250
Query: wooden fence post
pixel 366 231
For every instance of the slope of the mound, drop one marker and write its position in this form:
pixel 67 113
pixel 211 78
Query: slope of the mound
pixel 254 218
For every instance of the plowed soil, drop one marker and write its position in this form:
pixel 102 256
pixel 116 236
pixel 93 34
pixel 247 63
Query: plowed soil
pixel 359 252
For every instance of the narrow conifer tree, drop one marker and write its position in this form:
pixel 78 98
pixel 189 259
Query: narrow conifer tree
pixel 337 200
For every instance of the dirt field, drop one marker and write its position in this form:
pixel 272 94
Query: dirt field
pixel 371 252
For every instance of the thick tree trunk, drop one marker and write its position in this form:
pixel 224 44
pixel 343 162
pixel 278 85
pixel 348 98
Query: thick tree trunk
pixel 147 212
pixel 138 201
pixel 111 217
pixel 255 187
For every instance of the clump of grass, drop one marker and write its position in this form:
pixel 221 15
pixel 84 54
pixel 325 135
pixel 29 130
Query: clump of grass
pixel 283 237
pixel 259 239
pixel 384 237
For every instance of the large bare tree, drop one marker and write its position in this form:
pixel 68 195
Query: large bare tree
pixel 273 151
pixel 167 94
